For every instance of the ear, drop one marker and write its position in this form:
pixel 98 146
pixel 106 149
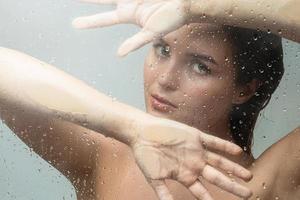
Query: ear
pixel 244 92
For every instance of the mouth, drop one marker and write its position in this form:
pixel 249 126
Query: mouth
pixel 161 104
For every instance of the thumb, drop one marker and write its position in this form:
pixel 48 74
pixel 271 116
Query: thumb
pixel 161 189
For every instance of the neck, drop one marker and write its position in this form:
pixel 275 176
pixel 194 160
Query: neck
pixel 222 130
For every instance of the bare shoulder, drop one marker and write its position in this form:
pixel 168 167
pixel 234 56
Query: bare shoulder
pixel 290 148
pixel 284 153
pixel 286 146
pixel 277 170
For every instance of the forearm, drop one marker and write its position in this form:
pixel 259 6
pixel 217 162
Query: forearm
pixel 280 17
pixel 27 83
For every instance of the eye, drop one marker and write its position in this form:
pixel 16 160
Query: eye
pixel 200 68
pixel 162 50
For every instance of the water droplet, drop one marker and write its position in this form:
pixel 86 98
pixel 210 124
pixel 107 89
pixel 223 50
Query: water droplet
pixel 24 19
pixel 40 36
pixel 264 185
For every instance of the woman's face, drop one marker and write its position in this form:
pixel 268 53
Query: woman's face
pixel 188 77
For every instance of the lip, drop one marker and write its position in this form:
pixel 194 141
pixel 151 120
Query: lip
pixel 160 103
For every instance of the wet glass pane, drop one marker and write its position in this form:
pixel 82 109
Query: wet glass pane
pixel 186 76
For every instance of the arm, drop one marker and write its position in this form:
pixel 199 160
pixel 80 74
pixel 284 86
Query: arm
pixel 69 147
pixel 158 18
pixel 283 180
pixel 280 17
pixel 35 103
pixel 49 92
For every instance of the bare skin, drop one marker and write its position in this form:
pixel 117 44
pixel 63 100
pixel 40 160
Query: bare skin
pixel 269 182
pixel 190 85
pixel 159 17
pixel 40 104
pixel 104 168
pixel 95 173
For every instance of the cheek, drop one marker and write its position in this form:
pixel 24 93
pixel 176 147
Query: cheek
pixel 213 95
pixel 148 71
pixel 149 76
pixel 151 70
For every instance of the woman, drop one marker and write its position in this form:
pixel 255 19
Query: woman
pixel 17 113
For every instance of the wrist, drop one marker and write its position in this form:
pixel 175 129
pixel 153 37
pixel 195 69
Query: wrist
pixel 210 11
pixel 135 125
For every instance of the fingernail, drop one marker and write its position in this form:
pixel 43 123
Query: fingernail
pixel 76 23
pixel 122 52
pixel 249 176
pixel 238 150
pixel 79 23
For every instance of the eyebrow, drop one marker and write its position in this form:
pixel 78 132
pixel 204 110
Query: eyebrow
pixel 204 57
pixel 160 40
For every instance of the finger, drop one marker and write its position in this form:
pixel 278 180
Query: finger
pixel 217 178
pixel 199 191
pixel 135 42
pixel 100 1
pixel 220 144
pixel 98 20
pixel 161 189
pixel 223 163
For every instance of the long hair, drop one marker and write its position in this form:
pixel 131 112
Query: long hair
pixel 257 55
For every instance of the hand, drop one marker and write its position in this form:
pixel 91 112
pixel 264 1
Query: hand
pixel 165 149
pixel 156 17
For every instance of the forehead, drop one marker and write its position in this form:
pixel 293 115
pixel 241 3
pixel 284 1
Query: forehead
pixel 201 38
pixel 198 32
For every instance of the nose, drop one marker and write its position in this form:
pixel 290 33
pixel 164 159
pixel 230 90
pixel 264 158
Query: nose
pixel 169 78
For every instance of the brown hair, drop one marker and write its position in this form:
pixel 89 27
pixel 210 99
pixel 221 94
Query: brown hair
pixel 257 55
